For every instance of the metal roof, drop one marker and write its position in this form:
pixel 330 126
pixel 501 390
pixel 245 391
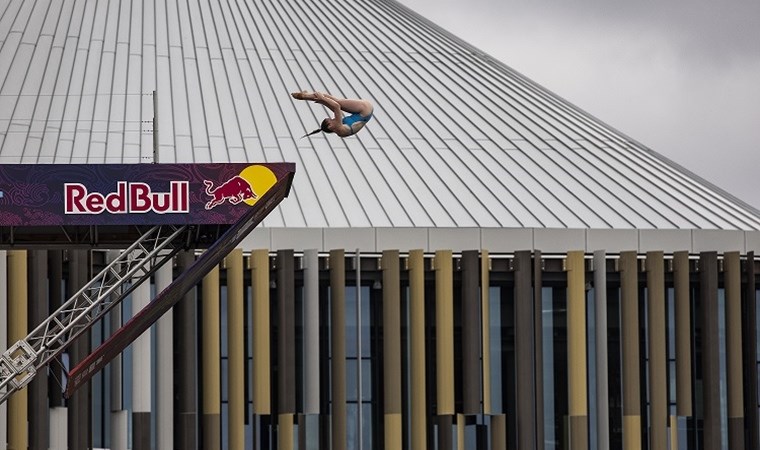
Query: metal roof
pixel 457 139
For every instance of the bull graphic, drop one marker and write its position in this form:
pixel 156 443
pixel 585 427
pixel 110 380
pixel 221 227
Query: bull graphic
pixel 236 189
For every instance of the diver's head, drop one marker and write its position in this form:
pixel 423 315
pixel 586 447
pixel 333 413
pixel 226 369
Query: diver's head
pixel 325 127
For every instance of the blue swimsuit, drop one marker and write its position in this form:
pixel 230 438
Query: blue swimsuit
pixel 353 118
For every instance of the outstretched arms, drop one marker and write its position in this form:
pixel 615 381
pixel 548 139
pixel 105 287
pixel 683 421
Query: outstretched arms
pixel 329 103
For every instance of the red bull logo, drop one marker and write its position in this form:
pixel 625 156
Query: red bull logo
pixel 129 198
pixel 246 187
pixel 234 190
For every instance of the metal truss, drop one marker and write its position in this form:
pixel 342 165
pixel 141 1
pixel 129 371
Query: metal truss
pixel 136 264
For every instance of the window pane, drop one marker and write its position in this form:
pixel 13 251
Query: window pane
pixel 494 301
pixel 352 426
pixel 351 335
pixel 223 318
pixel 367 426
pixel 548 353
pixel 365 322
pixel 366 380
pixel 351 380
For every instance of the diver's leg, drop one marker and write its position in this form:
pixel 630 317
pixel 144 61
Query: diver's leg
pixel 353 105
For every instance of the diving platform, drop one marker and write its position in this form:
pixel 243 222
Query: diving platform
pixel 158 209
pixel 110 206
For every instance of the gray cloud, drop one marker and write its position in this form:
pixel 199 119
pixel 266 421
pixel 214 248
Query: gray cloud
pixel 705 29
pixel 715 31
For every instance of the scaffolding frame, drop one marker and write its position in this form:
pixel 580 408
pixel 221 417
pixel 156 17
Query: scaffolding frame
pixel 136 264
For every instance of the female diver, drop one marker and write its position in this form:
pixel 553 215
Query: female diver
pixel 343 126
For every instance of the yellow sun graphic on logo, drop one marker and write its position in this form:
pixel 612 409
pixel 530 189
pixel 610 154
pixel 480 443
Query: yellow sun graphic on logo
pixel 261 180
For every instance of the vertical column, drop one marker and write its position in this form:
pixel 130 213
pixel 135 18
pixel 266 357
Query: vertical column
pixel 708 279
pixel 749 354
pixel 600 319
pixel 55 288
pixel 301 420
pixel 683 333
pixel 576 350
pixel 444 346
pixel 629 317
pixel 311 332
pixel 392 349
pixel 38 388
pixel 733 288
pixel 235 350
pixel 460 431
pixel 308 429
pixel 445 432
pixel 165 367
pixel 485 311
pixel 262 386
pixel 79 403
pixel 472 333
pixel 524 352
pixel 674 432
pixel 285 432
pixel 309 423
pixel 417 331
pixel 59 430
pixel 658 388
pixel 3 340
pixel 141 379
pixel 481 436
pixel 444 342
pixel 338 338
pixel 286 347
pixel 18 403
pixel 58 413
pixel 211 361
pixel 186 369
pixel 119 417
pixel 538 326
pixel 119 429
pixel 499 432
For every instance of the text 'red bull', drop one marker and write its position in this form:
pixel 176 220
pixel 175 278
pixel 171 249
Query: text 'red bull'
pixel 129 198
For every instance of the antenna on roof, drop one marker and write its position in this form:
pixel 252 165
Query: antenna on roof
pixel 155 128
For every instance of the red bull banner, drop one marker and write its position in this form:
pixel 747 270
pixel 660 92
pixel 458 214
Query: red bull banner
pixel 133 194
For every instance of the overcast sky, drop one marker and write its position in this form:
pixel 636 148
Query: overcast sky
pixel 680 76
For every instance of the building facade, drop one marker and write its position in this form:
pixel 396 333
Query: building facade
pixel 451 350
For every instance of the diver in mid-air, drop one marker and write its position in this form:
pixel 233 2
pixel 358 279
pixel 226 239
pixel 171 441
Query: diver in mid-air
pixel 343 126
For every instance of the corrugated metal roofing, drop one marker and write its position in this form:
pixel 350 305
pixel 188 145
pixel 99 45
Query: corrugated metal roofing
pixel 457 140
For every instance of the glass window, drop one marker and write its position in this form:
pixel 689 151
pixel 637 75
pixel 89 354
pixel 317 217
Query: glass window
pixel 591 364
pixel 547 309
pixel 350 311
pixel 670 299
pixel 494 301
pixel 352 426
pixel 614 366
pixel 223 318
pixel 723 372
pixel 351 380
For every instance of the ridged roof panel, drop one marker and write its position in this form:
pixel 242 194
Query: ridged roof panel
pixel 457 139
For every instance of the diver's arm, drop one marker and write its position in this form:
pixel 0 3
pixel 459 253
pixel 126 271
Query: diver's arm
pixel 331 104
